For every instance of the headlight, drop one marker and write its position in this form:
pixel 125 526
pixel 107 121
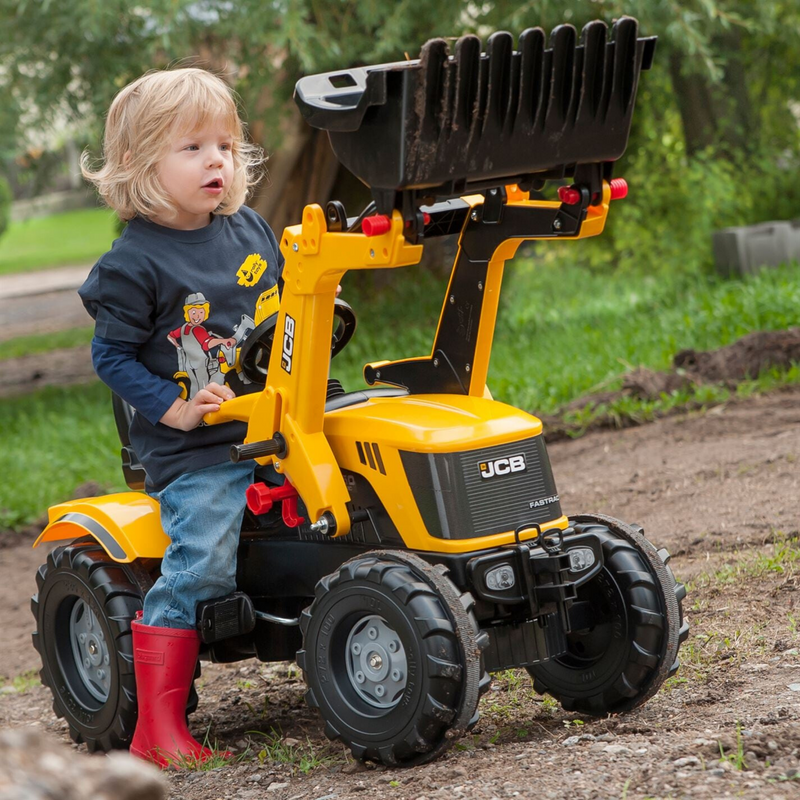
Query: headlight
pixel 580 558
pixel 500 578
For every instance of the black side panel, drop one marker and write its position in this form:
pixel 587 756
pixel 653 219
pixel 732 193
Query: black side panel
pixel 485 491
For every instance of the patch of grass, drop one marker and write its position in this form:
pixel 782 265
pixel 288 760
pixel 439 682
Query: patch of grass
pixel 511 689
pixel 74 237
pixel 21 683
pixel 45 342
pixel 735 758
pixel 302 758
pixel 191 763
pixel 781 557
pixel 52 441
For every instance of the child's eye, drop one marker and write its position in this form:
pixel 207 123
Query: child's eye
pixel 191 147
pixel 225 146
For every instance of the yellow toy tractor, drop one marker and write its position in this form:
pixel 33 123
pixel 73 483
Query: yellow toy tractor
pixel 414 540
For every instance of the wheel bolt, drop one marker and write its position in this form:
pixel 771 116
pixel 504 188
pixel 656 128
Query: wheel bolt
pixel 101 674
pixel 393 646
pixel 82 638
pixel 379 690
pixel 375 661
pixel 105 659
pixel 360 677
pixel 397 676
pixel 93 648
pixel 356 648
pixel 372 633
pixel 86 663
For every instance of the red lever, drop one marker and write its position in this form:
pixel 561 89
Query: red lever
pixel 376 225
pixel 260 499
pixel 569 195
pixel 619 188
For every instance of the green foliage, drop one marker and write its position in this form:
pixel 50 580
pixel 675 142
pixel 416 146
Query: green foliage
pixel 715 139
pixel 5 205
pixel 51 442
pixel 45 342
pixel 74 237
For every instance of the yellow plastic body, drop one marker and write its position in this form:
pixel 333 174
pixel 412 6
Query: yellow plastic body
pixel 426 424
pixel 127 525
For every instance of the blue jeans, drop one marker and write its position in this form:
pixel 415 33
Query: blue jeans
pixel 202 513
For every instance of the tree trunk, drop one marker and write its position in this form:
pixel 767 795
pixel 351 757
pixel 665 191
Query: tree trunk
pixel 695 104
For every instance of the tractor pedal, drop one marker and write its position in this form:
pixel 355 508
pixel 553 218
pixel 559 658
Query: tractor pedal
pixel 224 617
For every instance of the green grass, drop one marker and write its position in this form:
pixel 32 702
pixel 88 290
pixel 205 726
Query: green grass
pixel 45 342
pixel 51 442
pixel 564 332
pixel 20 683
pixel 561 334
pixel 74 237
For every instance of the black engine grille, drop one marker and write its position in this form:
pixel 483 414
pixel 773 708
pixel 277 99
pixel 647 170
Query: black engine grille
pixel 457 501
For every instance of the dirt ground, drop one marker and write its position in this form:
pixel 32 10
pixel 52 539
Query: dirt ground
pixel 720 490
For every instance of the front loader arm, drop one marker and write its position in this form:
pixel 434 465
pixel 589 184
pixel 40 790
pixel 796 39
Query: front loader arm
pixel 293 401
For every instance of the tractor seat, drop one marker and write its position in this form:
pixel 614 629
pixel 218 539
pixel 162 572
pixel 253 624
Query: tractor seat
pixel 135 473
pixel 131 467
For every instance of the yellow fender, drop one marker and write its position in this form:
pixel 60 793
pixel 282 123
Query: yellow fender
pixel 127 525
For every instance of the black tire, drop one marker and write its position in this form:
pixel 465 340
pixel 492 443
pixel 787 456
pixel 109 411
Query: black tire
pixel 621 661
pixel 368 602
pixel 76 580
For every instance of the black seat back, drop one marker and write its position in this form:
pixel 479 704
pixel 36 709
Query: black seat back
pixel 131 467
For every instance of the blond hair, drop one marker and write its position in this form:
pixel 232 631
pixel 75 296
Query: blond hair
pixel 140 122
pixel 205 306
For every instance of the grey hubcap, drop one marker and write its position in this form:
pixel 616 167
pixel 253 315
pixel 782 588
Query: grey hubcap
pixel 90 650
pixel 376 662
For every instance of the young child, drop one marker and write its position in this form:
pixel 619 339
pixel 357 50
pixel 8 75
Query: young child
pixel 188 269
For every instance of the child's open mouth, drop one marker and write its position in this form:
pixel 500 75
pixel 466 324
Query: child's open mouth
pixel 213 187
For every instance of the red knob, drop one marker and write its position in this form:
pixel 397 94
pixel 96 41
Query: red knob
pixel 376 225
pixel 569 195
pixel 259 498
pixel 619 188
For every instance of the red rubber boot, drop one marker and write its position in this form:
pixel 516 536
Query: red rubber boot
pixel 164 661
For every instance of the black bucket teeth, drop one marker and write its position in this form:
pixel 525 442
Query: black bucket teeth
pixel 467 119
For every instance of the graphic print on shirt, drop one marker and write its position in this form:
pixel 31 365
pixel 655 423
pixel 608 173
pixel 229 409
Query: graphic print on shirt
pixel 205 356
pixel 197 364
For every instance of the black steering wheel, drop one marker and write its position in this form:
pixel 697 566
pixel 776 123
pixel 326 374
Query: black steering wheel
pixel 257 347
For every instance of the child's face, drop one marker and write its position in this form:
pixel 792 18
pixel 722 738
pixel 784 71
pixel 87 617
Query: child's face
pixel 196 173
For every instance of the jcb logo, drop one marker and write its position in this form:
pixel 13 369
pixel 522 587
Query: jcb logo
pixel 288 344
pixel 502 466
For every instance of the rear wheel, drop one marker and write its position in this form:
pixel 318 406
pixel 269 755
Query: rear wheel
pixel 392 658
pixel 84 608
pixel 629 644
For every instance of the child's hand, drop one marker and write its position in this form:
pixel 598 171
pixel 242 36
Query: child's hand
pixel 185 416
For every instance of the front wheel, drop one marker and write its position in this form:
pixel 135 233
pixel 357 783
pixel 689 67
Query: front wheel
pixel 392 658
pixel 628 626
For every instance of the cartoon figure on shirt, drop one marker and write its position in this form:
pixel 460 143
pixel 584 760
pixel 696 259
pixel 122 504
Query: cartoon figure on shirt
pixel 194 343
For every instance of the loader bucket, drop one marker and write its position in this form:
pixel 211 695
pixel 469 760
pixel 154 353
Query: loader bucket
pixel 449 123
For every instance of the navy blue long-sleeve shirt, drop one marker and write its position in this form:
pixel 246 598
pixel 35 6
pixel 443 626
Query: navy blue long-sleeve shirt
pixel 170 307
